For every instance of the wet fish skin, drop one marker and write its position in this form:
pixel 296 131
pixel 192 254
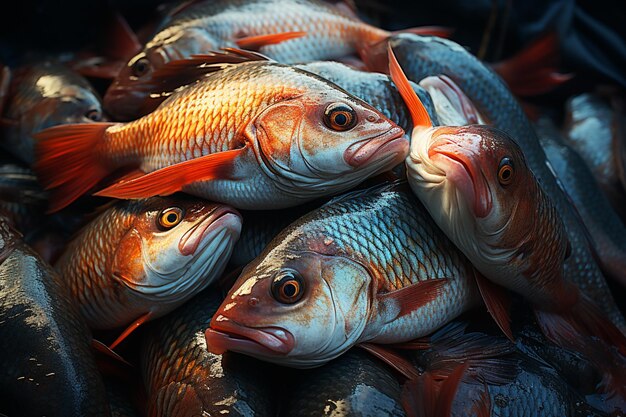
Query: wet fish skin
pixel 47 364
pixel 44 95
pixel 22 199
pixel 175 361
pixel 353 385
pixel 350 254
pixel 125 264
pixel 421 56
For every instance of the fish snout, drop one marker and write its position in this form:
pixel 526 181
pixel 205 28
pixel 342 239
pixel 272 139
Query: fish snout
pixel 366 151
pixel 222 218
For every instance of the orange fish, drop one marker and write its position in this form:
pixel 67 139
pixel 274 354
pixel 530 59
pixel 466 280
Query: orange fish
pixel 254 135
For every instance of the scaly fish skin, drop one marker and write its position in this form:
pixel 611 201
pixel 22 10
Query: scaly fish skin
pixel 147 256
pixel 41 96
pixel 341 266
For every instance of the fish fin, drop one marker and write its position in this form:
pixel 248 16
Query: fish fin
pixel 439 31
pixel 256 42
pixel 419 115
pixel 103 349
pixel 498 303
pixel 133 326
pixel 121 43
pixel 5 85
pixel 67 161
pixel 412 297
pixel 482 405
pixel 391 358
pixel 449 389
pixel 532 71
pixel 419 396
pixel 173 178
pixel 176 399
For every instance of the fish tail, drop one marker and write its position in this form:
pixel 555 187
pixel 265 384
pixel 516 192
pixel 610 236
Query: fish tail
pixel 533 70
pixel 68 161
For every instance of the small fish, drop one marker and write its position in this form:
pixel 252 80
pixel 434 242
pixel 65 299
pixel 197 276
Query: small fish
pixel 40 96
pixel 141 259
pixel 47 365
pixel 288 31
pixel 475 182
pixel 353 385
pixel 183 378
pixel 255 134
pixel 368 266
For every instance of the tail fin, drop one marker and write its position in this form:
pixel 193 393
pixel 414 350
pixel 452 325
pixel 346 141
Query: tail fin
pixel 68 162
pixel 533 70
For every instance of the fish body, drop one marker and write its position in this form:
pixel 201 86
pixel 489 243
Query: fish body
pixel 254 135
pixel 147 257
pixel 331 32
pixel 21 197
pixel 422 56
pixel 354 385
pixel 369 266
pixel 183 378
pixel 47 365
pixel 41 96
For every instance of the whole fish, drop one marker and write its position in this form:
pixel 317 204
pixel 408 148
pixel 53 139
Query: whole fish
pixel 353 385
pixel 254 135
pixel 275 27
pixel 141 259
pixel 47 365
pixel 368 266
pixel 43 95
pixel 183 378
pixel 422 56
pixel 475 182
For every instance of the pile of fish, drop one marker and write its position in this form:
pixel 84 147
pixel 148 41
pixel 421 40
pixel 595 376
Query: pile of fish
pixel 278 209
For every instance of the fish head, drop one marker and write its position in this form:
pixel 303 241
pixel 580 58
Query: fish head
pixel 175 247
pixel 325 139
pixel 295 308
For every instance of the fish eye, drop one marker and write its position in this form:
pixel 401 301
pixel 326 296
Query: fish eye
pixel 288 287
pixel 140 67
pixel 94 115
pixel 340 117
pixel 505 171
pixel 169 218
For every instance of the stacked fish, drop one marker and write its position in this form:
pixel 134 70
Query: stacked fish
pixel 285 211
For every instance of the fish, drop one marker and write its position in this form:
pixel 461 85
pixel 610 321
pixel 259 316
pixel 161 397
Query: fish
pixel 288 31
pixel 353 385
pixel 47 365
pixel 22 199
pixel 475 182
pixel 369 266
pixel 139 260
pixel 477 372
pixel 182 377
pixel 424 56
pixel 40 96
pixel 255 135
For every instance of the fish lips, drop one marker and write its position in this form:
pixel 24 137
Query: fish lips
pixel 221 217
pixel 225 334
pixel 372 149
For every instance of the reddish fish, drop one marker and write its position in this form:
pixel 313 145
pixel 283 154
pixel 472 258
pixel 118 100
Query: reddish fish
pixel 286 30
pixel 254 135
pixel 140 260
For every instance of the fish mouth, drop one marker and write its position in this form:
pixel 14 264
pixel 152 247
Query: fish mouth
pixel 378 147
pixel 225 334
pixel 460 170
pixel 220 218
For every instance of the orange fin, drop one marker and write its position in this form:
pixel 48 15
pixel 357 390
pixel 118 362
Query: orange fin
pixel 412 297
pixel 121 43
pixel 419 396
pixel 173 178
pixel 391 358
pixel 67 161
pixel 498 302
pixel 258 41
pixel 416 108
pixel 448 390
pixel 134 325
pixel 439 31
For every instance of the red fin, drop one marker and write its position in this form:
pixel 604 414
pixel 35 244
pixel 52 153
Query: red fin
pixel 416 108
pixel 498 303
pixel 5 84
pixel 141 320
pixel 120 40
pixel 439 31
pixel 67 161
pixel 412 297
pixel 173 178
pixel 419 396
pixel 532 71
pixel 482 406
pixel 258 41
pixel 448 391
pixel 391 358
